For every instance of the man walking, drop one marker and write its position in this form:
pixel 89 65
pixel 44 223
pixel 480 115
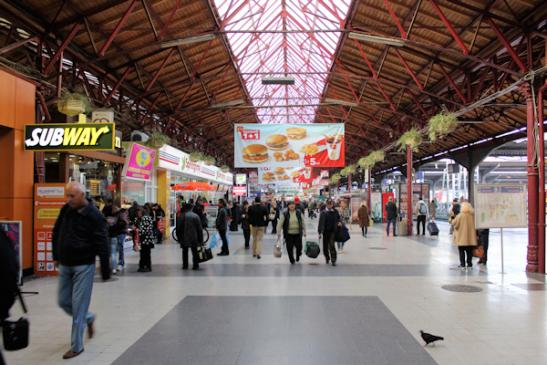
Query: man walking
pixel 258 218
pixel 293 226
pixel 221 224
pixel 190 235
pixel 329 222
pixel 421 213
pixel 79 234
pixel 391 211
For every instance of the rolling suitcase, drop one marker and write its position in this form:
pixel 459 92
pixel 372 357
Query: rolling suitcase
pixel 432 228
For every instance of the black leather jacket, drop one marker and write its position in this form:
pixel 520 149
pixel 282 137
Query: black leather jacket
pixel 79 235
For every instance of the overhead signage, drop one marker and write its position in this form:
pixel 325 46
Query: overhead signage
pixel 289 145
pixel 173 159
pixel 239 190
pixel 70 137
pixel 139 164
pixel 241 179
pixel 501 206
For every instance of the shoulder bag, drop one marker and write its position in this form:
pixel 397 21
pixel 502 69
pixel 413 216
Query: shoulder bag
pixel 16 333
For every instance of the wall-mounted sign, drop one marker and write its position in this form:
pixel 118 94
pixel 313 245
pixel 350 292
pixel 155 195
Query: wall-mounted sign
pixel 139 164
pixel 239 190
pixel 70 137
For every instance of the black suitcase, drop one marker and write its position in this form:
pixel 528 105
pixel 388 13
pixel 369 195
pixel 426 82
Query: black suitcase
pixel 432 228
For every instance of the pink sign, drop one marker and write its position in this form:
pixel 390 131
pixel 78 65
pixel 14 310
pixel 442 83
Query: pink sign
pixel 139 163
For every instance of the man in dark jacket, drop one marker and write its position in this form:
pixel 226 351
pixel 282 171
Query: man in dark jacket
pixel 329 222
pixel 8 278
pixel 79 235
pixel 258 218
pixel 293 226
pixel 391 212
pixel 190 235
pixel 221 224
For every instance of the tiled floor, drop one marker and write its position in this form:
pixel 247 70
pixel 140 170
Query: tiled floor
pixel 505 323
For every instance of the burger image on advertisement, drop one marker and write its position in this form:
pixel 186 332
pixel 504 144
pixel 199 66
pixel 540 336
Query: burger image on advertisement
pixel 279 171
pixel 296 133
pixel 255 153
pixel 268 176
pixel 277 142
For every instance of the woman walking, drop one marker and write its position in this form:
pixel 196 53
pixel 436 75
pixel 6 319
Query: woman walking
pixel 465 236
pixel 145 228
pixel 364 218
pixel 245 226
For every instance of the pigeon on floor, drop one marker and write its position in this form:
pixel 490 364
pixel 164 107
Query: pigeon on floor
pixel 429 338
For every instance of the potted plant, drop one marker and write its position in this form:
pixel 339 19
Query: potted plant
pixel 334 179
pixel 209 160
pixel 73 103
pixel 196 156
pixel 157 140
pixel 441 125
pixel 411 138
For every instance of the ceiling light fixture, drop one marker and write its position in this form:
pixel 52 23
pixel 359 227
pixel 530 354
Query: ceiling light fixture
pixel 396 42
pixel 188 40
pixel 284 80
pixel 227 104
pixel 341 102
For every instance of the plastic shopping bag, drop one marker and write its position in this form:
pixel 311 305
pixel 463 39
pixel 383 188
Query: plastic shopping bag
pixel 214 240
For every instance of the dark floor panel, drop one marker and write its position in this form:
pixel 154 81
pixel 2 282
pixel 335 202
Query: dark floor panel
pixel 277 331
pixel 286 269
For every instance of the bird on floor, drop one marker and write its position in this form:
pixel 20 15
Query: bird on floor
pixel 429 338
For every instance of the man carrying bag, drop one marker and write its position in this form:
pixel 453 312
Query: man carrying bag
pixel 190 235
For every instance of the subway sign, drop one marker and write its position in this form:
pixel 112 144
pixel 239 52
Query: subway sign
pixel 70 137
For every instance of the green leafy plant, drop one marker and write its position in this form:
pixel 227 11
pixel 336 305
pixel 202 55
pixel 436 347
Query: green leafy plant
pixel 371 159
pixel 224 168
pixel 196 156
pixel 441 125
pixel 334 179
pixel 209 160
pixel 157 140
pixel 411 138
pixel 348 170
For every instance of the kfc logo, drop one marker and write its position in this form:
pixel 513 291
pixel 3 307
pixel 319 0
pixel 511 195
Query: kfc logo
pixel 249 134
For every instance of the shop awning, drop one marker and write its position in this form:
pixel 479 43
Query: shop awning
pixel 194 186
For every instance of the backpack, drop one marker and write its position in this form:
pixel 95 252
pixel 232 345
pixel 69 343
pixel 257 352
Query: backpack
pixel 422 209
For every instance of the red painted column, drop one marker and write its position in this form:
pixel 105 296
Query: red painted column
pixel 532 256
pixel 409 188
pixel 541 213
pixel 369 192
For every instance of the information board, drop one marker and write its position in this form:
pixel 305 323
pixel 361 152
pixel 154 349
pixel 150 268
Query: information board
pixel 501 206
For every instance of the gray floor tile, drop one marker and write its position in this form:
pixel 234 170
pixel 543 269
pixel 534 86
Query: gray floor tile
pixel 277 330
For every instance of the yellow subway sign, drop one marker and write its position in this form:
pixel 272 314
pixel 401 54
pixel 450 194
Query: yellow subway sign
pixel 67 137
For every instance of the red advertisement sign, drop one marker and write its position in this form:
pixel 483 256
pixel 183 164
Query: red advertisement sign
pixel 48 201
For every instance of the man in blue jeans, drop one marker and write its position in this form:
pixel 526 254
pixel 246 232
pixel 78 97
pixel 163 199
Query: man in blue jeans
pixel 391 215
pixel 79 235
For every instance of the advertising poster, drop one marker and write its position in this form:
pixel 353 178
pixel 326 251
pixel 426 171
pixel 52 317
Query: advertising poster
pixel 418 190
pixel 14 232
pixel 48 201
pixel 385 199
pixel 287 175
pixel 501 206
pixel 289 145
pixel 241 179
pixel 355 204
pixel 139 164
pixel 376 206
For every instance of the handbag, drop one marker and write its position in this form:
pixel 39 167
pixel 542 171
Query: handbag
pixel 478 252
pixel 204 254
pixel 277 250
pixel 16 333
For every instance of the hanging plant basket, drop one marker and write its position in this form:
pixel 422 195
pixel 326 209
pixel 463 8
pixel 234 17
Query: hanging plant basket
pixel 209 160
pixel 348 170
pixel 72 104
pixel 441 125
pixel 371 159
pixel 196 156
pixel 334 179
pixel 157 140
pixel 411 138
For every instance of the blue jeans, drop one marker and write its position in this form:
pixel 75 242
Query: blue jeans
pixel 114 252
pixel 389 222
pixel 121 240
pixel 75 286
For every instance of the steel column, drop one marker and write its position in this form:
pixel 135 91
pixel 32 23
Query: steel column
pixel 117 29
pixel 409 189
pixel 532 256
pixel 369 192
pixel 541 216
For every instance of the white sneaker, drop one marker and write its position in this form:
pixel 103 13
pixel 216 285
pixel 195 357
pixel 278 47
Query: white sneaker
pixel 114 271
